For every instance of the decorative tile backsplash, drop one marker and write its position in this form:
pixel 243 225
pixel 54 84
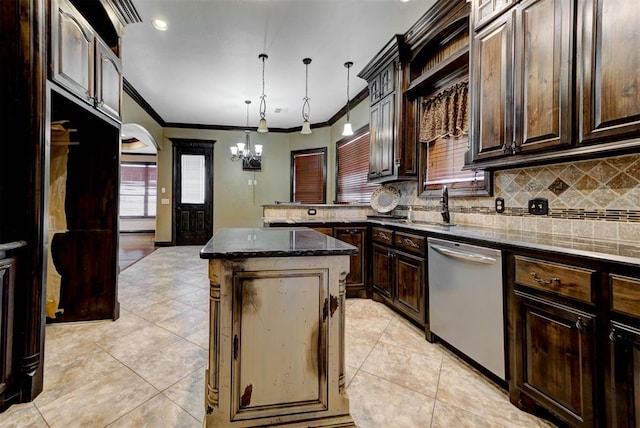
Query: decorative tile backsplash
pixel 592 199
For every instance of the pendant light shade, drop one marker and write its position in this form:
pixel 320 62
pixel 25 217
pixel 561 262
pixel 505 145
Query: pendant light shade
pixel 262 127
pixel 348 130
pixel 306 108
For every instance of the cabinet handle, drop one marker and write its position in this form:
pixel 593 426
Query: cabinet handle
pixel 581 325
pixel 410 243
pixel 383 236
pixel 544 281
pixel 614 336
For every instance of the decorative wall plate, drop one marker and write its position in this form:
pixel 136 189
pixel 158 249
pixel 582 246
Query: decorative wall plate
pixel 384 199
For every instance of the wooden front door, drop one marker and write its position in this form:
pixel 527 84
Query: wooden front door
pixel 192 191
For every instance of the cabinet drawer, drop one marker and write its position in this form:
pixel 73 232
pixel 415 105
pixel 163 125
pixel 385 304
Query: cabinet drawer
pixel 411 243
pixel 625 295
pixel 382 235
pixel 568 281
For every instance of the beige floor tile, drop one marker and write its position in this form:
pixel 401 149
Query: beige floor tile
pixel 357 348
pixel 144 341
pixel 167 365
pixel 21 416
pixel 100 402
pixel 350 372
pixel 157 412
pixel 162 310
pixel 195 298
pixel 188 393
pixel 376 403
pixel 200 338
pixel 65 375
pixel 402 333
pixel 463 387
pixel 447 416
pixel 403 367
pixel 186 323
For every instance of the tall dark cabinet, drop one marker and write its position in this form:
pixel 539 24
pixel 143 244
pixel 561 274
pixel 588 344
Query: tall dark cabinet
pixel 60 66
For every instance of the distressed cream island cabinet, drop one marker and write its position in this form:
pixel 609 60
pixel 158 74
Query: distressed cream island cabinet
pixel 276 333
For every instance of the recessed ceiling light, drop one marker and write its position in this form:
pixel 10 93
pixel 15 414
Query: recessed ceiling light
pixel 404 1
pixel 160 24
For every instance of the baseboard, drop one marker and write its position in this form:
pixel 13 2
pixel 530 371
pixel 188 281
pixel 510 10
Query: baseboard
pixel 163 244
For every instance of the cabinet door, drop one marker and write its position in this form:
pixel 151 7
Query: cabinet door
pixel 608 70
pixel 72 51
pixel 492 91
pixel 382 138
pixel 543 84
pixel 374 90
pixel 625 373
pixel 293 305
pixel 554 353
pixel 381 270
pixel 375 133
pixel 409 276
pixel 355 236
pixel 387 80
pixel 486 10
pixel 7 272
pixel 108 80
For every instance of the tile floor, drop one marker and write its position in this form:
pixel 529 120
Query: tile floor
pixel 147 368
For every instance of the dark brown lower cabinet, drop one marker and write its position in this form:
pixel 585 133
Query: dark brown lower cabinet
pixel 357 278
pixel 554 359
pixel 625 375
pixel 398 277
pixel 357 282
pixel 8 390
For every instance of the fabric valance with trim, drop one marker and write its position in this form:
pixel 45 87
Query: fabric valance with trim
pixel 446 114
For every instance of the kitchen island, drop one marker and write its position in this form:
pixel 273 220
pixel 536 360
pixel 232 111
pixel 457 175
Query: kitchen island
pixel 276 331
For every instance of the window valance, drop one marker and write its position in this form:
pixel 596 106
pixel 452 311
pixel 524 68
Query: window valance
pixel 446 113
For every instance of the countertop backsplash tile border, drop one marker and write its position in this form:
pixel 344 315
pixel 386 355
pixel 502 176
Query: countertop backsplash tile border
pixel 592 199
pixel 589 199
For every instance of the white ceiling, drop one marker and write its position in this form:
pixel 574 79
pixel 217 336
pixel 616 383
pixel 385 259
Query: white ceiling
pixel 206 64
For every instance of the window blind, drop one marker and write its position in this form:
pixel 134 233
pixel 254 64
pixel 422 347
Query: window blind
pixel 353 170
pixel 309 173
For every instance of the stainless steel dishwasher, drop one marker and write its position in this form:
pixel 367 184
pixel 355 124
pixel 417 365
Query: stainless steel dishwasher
pixel 466 301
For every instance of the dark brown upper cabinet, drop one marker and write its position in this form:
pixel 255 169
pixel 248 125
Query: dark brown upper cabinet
pixel 491 91
pixel 609 70
pixel 526 62
pixel 391 157
pixel 522 81
pixel 82 63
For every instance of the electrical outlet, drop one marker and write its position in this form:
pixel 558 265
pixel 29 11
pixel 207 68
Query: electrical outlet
pixel 499 205
pixel 538 206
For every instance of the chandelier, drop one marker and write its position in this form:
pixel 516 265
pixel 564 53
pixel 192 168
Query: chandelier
pixel 251 160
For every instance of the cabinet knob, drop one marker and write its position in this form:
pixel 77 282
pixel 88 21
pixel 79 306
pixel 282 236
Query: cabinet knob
pixel 580 325
pixel 613 335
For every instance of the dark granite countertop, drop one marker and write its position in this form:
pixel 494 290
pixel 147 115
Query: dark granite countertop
pixel 276 242
pixel 596 248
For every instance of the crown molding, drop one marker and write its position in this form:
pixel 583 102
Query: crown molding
pixel 139 99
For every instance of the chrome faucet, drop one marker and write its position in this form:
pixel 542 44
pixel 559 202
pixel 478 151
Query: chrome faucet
pixel 444 205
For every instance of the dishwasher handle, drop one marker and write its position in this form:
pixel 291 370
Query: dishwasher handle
pixel 475 258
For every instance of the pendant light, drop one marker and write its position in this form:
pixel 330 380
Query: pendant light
pixel 262 127
pixel 347 126
pixel 306 108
